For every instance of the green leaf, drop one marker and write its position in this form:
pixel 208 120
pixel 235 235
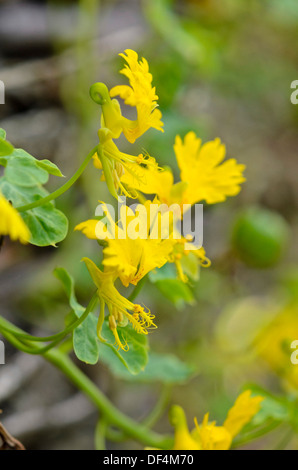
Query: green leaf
pixel 21 195
pixel 28 170
pixel 47 224
pixel 69 287
pixel 5 148
pixel 3 161
pixel 167 369
pixel 190 266
pixel 134 360
pixel 85 341
pixel 23 170
pixel 168 271
pixel 22 183
pixel 272 407
pixel 50 167
pixel 176 291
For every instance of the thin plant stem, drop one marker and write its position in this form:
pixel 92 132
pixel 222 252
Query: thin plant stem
pixel 149 421
pixel 159 408
pixel 137 289
pixel 26 339
pixel 61 361
pixel 137 431
pixel 100 434
pixel 62 189
pixel 255 435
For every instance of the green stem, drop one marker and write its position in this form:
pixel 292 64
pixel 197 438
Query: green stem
pixel 137 289
pixel 16 343
pixel 133 429
pixel 101 318
pixel 255 435
pixel 62 189
pixel 11 330
pixel 100 434
pixel 285 440
pixel 149 421
pixel 59 359
pixel 158 409
pixel 168 25
pixel 107 172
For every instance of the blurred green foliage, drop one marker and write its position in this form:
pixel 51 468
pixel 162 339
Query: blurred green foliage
pixel 221 68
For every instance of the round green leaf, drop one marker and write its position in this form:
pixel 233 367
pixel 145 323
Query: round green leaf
pixel 47 225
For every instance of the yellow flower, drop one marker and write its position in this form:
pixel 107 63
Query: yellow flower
pixel 273 344
pixel 115 163
pixel 138 247
pixel 121 310
pixel 212 437
pixel 180 252
pixel 130 252
pixel 204 175
pixel 154 181
pixel 11 223
pixel 242 412
pixel 133 246
pixel 208 436
pixel 208 177
pixel 183 440
pixel 139 94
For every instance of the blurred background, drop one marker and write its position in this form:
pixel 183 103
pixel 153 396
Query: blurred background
pixel 223 69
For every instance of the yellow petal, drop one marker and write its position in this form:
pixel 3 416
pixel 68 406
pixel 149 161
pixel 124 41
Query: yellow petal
pixel 88 228
pixel 139 94
pixel 134 254
pixel 183 439
pixel 244 409
pixel 273 343
pixel 11 223
pixel 202 168
pixel 212 437
pixel 118 305
pixel 149 180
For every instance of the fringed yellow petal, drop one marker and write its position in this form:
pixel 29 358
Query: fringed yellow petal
pixel 212 437
pixel 149 181
pixel 11 223
pixel 135 253
pixel 202 167
pixel 244 409
pixel 120 308
pixel 139 94
pixel 88 228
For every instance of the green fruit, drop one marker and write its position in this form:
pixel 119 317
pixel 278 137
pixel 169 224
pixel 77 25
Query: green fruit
pixel 260 237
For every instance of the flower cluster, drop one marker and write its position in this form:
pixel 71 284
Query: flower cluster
pixel 205 176
pixel 209 436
